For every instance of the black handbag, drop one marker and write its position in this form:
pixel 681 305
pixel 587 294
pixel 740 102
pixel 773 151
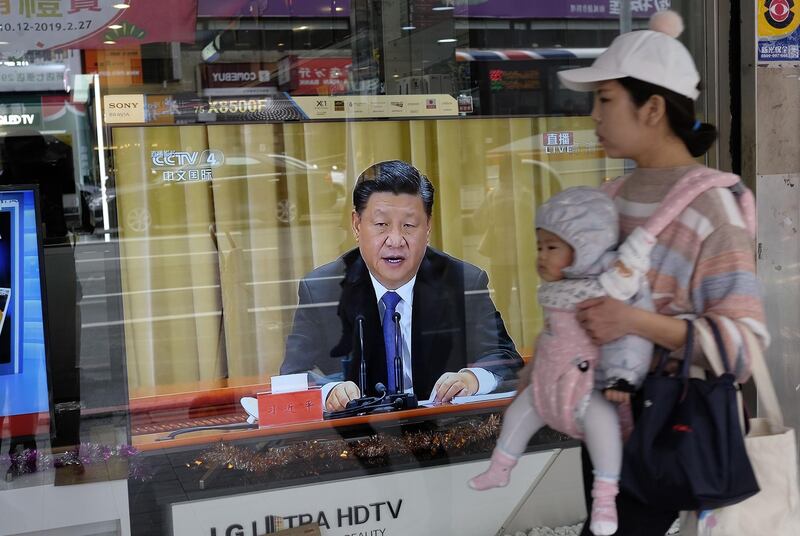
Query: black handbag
pixel 686 451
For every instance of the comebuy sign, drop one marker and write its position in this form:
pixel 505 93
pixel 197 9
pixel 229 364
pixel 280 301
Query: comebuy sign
pixel 238 78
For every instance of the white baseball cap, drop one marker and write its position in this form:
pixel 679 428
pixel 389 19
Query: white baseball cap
pixel 653 56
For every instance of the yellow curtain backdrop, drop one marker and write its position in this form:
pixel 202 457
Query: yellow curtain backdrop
pixel 170 279
pixel 271 217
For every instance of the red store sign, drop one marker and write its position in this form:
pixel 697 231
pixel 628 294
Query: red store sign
pixel 314 76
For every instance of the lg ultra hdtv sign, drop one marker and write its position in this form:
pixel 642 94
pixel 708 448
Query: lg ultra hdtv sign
pixel 355 520
pixel 422 501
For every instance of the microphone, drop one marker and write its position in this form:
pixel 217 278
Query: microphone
pixel 385 401
pixel 375 404
pixel 398 355
pixel 364 402
pixel 368 401
pixel 399 400
pixel 362 375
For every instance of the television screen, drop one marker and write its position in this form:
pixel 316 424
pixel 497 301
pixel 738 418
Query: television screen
pixel 23 365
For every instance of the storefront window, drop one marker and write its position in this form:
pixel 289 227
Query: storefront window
pixel 193 160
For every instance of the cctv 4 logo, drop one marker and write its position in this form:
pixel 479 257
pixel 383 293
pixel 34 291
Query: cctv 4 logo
pixel 170 159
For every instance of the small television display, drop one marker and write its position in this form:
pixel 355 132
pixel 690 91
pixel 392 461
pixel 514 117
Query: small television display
pixel 23 363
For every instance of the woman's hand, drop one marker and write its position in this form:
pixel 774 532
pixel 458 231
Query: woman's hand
pixel 605 319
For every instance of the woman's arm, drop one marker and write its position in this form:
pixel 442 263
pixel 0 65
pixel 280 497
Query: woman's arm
pixel 666 331
pixel 723 286
pixel 606 319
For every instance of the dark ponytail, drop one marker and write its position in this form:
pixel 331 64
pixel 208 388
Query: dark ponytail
pixel 698 137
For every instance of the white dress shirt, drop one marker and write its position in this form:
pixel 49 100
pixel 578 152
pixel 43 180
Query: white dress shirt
pixel 487 382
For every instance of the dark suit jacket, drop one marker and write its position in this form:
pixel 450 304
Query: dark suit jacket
pixel 454 324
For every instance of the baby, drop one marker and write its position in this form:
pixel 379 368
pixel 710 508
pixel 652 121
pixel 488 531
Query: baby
pixel 576 386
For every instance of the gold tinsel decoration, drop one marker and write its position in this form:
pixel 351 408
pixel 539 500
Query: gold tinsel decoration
pixel 310 458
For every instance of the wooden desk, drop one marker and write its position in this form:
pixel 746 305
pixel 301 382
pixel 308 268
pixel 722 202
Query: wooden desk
pixel 175 411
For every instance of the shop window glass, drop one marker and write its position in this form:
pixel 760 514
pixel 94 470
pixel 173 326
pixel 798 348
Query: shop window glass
pixel 197 158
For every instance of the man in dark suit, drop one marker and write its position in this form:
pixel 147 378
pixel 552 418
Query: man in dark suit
pixel 453 341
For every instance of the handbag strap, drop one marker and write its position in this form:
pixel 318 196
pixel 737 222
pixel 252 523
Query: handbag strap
pixel 769 406
pixel 718 355
pixel 767 399
pixel 663 354
pixel 721 353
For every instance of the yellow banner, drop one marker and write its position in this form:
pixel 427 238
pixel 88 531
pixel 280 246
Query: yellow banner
pixel 377 106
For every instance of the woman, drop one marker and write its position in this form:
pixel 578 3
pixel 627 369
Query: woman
pixel 703 264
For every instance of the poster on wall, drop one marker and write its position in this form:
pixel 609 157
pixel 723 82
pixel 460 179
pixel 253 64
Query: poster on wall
pixel 778 36
pixel 23 370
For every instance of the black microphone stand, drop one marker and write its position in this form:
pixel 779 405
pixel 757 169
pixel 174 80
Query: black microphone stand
pixel 386 402
pixel 400 399
pixel 398 356
pixel 363 404
pixel 362 376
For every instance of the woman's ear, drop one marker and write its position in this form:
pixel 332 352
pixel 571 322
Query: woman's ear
pixel 655 110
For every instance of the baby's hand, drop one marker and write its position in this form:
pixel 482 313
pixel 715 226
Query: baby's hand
pixel 619 391
pixel 619 397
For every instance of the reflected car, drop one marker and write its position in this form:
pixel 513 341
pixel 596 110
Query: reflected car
pixel 322 184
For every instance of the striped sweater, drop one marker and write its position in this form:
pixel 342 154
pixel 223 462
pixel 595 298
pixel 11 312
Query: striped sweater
pixel 703 264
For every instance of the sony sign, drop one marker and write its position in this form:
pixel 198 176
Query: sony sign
pixel 123 109
pixel 123 105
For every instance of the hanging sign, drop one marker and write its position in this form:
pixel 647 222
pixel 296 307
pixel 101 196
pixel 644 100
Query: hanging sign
pixel 44 24
pixel 377 106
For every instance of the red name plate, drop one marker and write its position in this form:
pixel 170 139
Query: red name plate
pixel 289 408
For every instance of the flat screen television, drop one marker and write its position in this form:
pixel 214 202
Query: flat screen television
pixel 23 355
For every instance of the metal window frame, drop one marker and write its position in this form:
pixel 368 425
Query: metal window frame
pixel 716 79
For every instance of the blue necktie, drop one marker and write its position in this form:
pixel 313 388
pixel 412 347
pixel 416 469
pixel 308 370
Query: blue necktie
pixel 390 300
